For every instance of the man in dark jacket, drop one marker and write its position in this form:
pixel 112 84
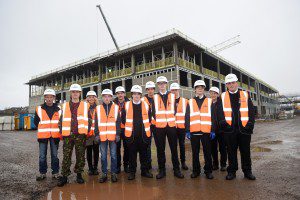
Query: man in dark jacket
pixel 236 118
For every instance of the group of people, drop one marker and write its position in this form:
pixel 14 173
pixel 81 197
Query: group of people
pixel 223 122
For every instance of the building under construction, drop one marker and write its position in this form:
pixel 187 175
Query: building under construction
pixel 171 54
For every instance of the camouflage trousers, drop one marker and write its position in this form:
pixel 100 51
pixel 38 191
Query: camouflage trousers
pixel 77 140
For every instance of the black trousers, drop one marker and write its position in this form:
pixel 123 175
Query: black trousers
pixel 181 140
pixel 125 151
pixel 92 151
pixel 135 147
pixel 160 135
pixel 234 141
pixel 218 143
pixel 206 144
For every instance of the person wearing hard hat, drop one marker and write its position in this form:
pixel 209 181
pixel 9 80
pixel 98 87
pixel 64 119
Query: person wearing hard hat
pixel 137 119
pixel 74 128
pixel 120 101
pixel 92 145
pixel 148 98
pixel 46 120
pixel 107 131
pixel 219 139
pixel 201 126
pixel 163 111
pixel 236 119
pixel 180 110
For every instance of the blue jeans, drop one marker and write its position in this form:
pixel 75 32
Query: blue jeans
pixel 113 156
pixel 43 156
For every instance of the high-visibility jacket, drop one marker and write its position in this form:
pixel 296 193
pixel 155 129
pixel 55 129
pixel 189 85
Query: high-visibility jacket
pixel 48 127
pixel 82 118
pixel 200 119
pixel 92 128
pixel 164 116
pixel 129 118
pixel 150 107
pixel 107 123
pixel 180 114
pixel 227 109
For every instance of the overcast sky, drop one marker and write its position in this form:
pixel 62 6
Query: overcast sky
pixel 37 36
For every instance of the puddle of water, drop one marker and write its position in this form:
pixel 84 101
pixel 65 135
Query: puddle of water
pixel 273 142
pixel 260 149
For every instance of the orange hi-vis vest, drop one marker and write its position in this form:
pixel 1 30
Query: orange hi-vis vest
pixel 107 124
pixel 227 109
pixel 48 127
pixel 150 107
pixel 200 119
pixel 92 128
pixel 180 114
pixel 129 118
pixel 164 116
pixel 82 118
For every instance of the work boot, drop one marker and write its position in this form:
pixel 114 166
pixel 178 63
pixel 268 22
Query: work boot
pixel 131 176
pixel 103 178
pixel 184 166
pixel 114 178
pixel 91 172
pixel 126 168
pixel 178 174
pixel 79 178
pixel 209 175
pixel 40 177
pixel 215 167
pixel 249 176
pixel 55 176
pixel 147 174
pixel 63 180
pixel 195 174
pixel 230 176
pixel 161 174
pixel 223 169
pixel 95 171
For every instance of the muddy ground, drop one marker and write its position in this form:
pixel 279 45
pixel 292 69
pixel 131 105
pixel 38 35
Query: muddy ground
pixel 275 157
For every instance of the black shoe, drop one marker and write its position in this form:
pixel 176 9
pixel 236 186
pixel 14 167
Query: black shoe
pixel 249 176
pixel 230 176
pixel 41 177
pixel 103 178
pixel 114 178
pixel 62 181
pixel 178 174
pixel 215 167
pixel 161 174
pixel 91 172
pixel 126 168
pixel 223 169
pixel 195 174
pixel 95 172
pixel 118 170
pixel 209 176
pixel 79 178
pixel 131 176
pixel 184 166
pixel 147 174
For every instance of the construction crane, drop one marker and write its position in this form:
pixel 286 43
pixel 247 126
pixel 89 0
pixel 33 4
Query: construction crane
pixel 225 45
pixel 107 25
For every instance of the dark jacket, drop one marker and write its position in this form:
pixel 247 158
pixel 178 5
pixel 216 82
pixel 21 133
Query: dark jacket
pixel 236 121
pixel 91 140
pixel 215 116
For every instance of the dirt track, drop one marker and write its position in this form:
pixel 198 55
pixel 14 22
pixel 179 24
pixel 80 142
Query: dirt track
pixel 275 157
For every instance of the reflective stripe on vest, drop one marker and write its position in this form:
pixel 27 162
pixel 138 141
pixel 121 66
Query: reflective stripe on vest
pixel 200 119
pixel 107 124
pixel 82 118
pixel 164 116
pixel 129 118
pixel 47 127
pixel 180 114
pixel 92 128
pixel 227 109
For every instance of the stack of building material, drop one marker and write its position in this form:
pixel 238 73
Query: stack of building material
pixel 7 123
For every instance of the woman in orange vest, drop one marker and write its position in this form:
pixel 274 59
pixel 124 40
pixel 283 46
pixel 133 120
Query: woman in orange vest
pixel 46 120
pixel 236 118
pixel 74 128
pixel 136 117
pixel 92 145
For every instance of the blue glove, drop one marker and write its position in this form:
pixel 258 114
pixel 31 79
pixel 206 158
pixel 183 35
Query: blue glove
pixel 212 135
pixel 188 135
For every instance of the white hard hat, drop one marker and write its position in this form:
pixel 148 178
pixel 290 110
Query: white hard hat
pixel 150 84
pixel 174 86
pixel 107 91
pixel 161 79
pixel 91 93
pixel 199 82
pixel 120 89
pixel 75 87
pixel 49 92
pixel 230 78
pixel 215 89
pixel 136 88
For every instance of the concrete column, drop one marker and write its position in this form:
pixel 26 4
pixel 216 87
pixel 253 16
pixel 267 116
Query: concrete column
pixel 218 68
pixel 29 90
pixel 100 72
pixel 189 78
pixel 132 63
pixel 144 61
pixel 175 53
pixel 152 58
pixel 201 63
